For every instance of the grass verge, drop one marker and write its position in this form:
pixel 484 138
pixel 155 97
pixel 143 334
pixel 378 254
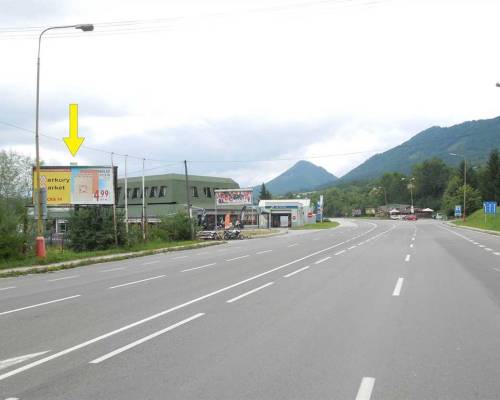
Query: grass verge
pixel 319 225
pixel 476 220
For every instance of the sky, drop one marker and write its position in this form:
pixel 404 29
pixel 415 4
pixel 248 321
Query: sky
pixel 240 88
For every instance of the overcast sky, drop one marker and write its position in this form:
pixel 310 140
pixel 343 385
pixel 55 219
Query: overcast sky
pixel 244 80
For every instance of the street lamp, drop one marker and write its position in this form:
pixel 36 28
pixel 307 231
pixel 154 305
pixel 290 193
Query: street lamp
pixel 465 175
pixel 40 248
pixel 411 192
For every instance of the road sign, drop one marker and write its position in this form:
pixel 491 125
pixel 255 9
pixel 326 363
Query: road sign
pixel 73 141
pixel 490 207
pixel 458 211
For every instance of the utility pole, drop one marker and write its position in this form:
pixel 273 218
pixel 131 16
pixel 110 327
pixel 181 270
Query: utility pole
pixel 126 197
pixel 465 183
pixel 188 198
pixel 114 202
pixel 143 204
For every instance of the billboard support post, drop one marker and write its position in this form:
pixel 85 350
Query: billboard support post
pixel 188 199
pixel 114 203
pixel 143 204
pixel 126 197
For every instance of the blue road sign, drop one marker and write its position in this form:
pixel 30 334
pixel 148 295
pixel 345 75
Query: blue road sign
pixel 490 207
pixel 458 211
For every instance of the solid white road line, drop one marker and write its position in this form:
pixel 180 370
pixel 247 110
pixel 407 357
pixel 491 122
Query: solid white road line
pixel 39 304
pixel 407 258
pixel 164 312
pixel 322 260
pixel 365 389
pixel 16 360
pixel 144 339
pixel 203 266
pixel 496 269
pixel 238 258
pixel 352 247
pixel 12 398
pixel 496 253
pixel 481 245
pixel 133 283
pixel 411 245
pixel 112 269
pixel 62 279
pixel 293 244
pixel 151 262
pixel 397 289
pixel 7 288
pixel 295 272
pixel 339 252
pixel 263 251
pixel 248 293
pixel 488 249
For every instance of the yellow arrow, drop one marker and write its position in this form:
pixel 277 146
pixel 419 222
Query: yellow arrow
pixel 73 141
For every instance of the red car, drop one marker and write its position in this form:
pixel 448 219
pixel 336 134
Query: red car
pixel 411 217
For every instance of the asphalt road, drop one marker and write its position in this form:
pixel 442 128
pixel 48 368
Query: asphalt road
pixel 369 310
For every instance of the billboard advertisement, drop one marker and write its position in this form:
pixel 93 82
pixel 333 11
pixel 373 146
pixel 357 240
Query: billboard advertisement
pixel 77 185
pixel 234 197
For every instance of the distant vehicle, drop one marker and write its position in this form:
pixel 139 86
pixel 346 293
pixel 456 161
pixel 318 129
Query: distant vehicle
pixel 411 217
pixel 438 216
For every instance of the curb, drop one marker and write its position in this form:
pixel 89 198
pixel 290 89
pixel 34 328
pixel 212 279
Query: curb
pixel 490 232
pixel 268 235
pixel 38 269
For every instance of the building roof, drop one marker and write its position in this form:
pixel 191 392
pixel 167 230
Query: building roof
pixel 178 177
pixel 285 202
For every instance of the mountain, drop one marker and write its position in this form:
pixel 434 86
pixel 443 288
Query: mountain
pixel 302 177
pixel 474 139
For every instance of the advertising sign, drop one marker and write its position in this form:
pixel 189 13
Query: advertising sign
pixel 77 185
pixel 490 207
pixel 233 197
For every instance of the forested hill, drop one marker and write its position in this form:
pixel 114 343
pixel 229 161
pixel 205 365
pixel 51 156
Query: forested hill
pixel 475 139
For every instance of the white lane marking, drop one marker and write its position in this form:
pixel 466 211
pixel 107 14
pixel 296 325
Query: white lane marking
pixel 322 260
pixel 238 258
pixel 248 293
pixel 496 269
pixel 39 304
pixel 203 266
pixel 481 245
pixel 488 249
pixel 397 289
pixel 112 269
pixel 295 272
pixel 62 279
pixel 7 288
pixel 496 253
pixel 407 258
pixel 316 238
pixel 16 360
pixel 361 244
pixel 293 244
pixel 134 282
pixel 412 238
pixel 178 258
pixel 145 339
pixel 164 312
pixel 263 251
pixel 152 262
pixel 352 247
pixel 13 398
pixel 221 250
pixel 472 242
pixel 411 245
pixel 339 252
pixel 366 388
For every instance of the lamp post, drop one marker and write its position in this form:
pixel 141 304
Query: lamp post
pixel 40 248
pixel 410 185
pixel 465 176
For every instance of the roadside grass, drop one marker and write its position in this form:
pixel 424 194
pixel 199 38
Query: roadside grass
pixel 476 220
pixel 319 225
pixel 55 255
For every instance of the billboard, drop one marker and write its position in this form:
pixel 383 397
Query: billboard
pixel 77 185
pixel 234 197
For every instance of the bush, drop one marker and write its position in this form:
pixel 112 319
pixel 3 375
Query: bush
pixel 12 237
pixel 173 228
pixel 91 228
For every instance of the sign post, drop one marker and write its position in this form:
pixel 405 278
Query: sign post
pixel 458 211
pixel 489 207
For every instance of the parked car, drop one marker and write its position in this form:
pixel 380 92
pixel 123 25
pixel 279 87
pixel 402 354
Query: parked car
pixel 411 217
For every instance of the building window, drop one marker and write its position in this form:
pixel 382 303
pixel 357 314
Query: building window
pixel 129 192
pixel 163 191
pixel 207 191
pixel 118 192
pixel 145 190
pixel 154 191
pixel 135 193
pixel 194 191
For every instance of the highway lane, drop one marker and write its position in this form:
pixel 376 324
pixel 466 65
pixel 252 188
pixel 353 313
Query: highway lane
pixel 325 326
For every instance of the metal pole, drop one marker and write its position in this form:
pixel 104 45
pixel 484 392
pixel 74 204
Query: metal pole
pixel 143 204
pixel 215 200
pixel 126 196
pixel 39 224
pixel 188 198
pixel 465 184
pixel 114 203
pixel 411 194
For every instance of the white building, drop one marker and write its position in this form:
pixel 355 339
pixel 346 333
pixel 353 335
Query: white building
pixel 286 213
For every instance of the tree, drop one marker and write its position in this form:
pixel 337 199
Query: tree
pixel 264 194
pixel 490 178
pixel 13 238
pixel 431 180
pixel 15 175
pixel 454 195
pixel 395 187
